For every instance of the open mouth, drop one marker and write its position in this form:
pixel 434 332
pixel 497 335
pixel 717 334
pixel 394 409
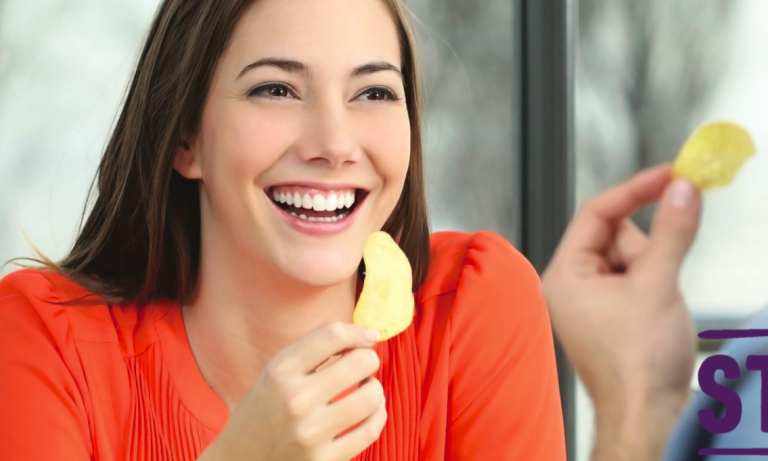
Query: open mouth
pixel 317 205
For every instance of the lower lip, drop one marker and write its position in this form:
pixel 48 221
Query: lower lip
pixel 319 227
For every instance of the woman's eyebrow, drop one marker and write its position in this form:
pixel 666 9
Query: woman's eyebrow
pixel 288 65
pixel 373 67
pixel 296 67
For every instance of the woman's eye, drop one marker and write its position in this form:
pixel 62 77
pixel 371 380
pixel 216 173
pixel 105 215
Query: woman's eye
pixel 378 94
pixel 271 91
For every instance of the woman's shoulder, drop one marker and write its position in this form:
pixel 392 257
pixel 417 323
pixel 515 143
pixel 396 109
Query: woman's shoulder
pixel 38 284
pixel 50 303
pixel 481 282
pixel 462 260
pixel 484 337
pixel 36 294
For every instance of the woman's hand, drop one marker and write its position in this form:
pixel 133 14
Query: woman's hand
pixel 287 415
pixel 617 310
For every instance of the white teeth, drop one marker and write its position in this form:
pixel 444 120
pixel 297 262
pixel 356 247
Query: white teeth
pixel 331 202
pixel 318 202
pixel 306 202
pixel 324 219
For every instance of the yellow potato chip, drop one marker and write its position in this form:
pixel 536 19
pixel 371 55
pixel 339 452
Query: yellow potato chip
pixel 386 301
pixel 713 155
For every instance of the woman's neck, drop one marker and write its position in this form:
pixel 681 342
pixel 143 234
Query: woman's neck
pixel 240 317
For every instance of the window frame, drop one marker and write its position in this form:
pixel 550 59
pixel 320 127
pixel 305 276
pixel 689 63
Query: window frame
pixel 545 32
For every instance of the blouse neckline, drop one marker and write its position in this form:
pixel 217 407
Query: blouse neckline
pixel 195 393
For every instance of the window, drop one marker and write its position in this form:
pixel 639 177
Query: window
pixel 647 74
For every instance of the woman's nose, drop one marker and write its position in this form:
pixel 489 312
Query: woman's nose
pixel 328 138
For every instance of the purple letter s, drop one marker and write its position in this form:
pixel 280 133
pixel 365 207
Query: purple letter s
pixel 729 397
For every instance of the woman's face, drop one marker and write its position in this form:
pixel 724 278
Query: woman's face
pixel 305 137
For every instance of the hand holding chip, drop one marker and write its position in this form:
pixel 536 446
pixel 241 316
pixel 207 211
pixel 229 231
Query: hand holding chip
pixel 617 311
pixel 614 298
pixel 293 411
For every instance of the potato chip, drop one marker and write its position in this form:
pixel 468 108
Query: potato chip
pixel 386 301
pixel 713 155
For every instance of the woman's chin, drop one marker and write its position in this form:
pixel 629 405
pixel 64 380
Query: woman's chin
pixel 322 272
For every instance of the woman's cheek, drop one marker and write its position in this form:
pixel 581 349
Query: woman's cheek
pixel 398 153
pixel 255 144
pixel 390 141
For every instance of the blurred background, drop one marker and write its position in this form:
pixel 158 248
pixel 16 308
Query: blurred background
pixel 646 74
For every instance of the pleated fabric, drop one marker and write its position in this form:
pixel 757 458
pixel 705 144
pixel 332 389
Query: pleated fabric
pixel 161 428
pixel 400 375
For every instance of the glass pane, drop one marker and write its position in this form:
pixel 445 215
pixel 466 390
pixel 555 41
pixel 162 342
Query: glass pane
pixel 650 72
pixel 470 138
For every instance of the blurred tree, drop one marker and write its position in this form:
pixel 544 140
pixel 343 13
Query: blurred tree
pixel 468 66
pixel 645 70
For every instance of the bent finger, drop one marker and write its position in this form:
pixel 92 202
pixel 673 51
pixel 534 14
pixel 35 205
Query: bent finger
pixel 630 243
pixel 594 224
pixel 307 354
pixel 342 416
pixel 361 437
pixel 354 367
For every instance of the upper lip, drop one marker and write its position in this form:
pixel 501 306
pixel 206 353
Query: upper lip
pixel 318 185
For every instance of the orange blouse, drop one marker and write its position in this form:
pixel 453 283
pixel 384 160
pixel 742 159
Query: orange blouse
pixel 473 378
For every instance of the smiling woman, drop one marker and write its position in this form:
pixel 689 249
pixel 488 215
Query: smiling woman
pixel 205 310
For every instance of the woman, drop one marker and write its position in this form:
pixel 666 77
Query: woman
pixel 203 309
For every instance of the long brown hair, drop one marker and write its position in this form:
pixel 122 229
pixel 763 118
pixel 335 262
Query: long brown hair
pixel 141 240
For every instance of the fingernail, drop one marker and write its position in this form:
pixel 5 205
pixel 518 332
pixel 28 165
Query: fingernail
pixel 372 335
pixel 682 193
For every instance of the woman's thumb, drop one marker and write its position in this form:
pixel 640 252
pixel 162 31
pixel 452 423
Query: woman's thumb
pixel 674 227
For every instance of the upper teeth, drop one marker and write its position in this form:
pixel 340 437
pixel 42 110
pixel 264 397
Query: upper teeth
pixel 317 202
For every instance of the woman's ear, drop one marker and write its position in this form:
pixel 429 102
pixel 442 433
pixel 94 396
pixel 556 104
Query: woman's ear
pixel 185 161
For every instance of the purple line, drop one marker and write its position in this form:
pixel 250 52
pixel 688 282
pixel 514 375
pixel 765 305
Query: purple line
pixel 734 451
pixel 731 334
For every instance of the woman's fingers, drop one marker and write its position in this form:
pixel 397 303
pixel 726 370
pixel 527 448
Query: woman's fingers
pixel 358 439
pixel 287 413
pixel 304 356
pixel 594 225
pixel 352 409
pixel 352 368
